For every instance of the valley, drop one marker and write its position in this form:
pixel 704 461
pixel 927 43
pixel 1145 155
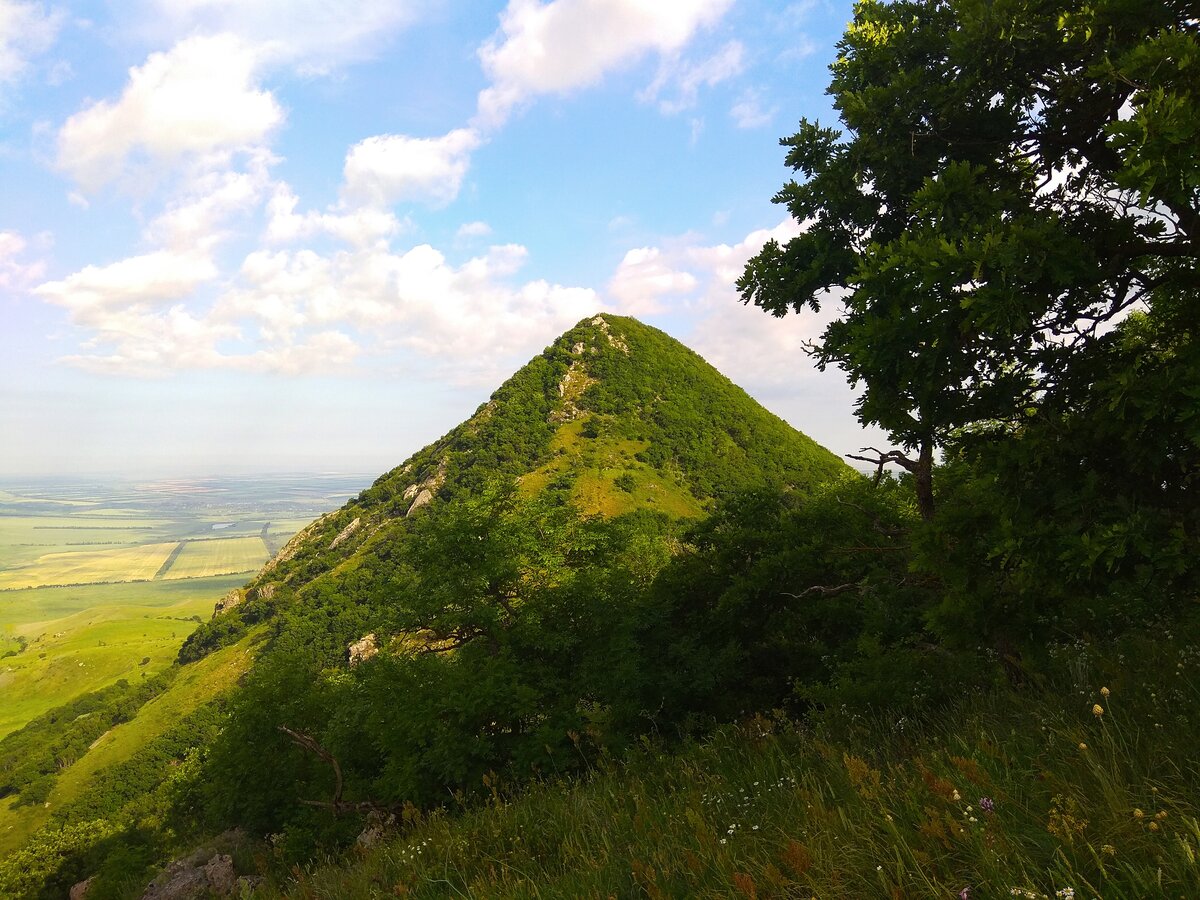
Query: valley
pixel 103 581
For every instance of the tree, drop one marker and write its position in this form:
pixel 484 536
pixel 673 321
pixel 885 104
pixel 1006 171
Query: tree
pixel 1014 178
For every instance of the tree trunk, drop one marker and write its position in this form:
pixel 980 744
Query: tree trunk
pixel 923 475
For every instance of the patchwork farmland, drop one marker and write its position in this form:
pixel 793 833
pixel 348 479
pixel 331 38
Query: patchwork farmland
pixel 102 582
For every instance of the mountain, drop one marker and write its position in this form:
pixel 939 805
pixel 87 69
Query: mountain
pixel 492 608
pixel 613 417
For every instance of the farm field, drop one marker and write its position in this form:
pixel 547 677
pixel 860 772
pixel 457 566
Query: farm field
pixel 225 556
pixel 86 597
pixel 139 563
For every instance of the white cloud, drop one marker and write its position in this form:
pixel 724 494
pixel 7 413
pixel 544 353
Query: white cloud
pixel 16 274
pixel 313 36
pixel 473 230
pixel 749 111
pixel 358 226
pixel 565 45
pixel 642 280
pixel 95 294
pixel 685 79
pixel 26 30
pixel 390 168
pixel 198 99
pixel 195 220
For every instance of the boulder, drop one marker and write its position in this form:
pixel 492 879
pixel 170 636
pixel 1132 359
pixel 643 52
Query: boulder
pixel 363 649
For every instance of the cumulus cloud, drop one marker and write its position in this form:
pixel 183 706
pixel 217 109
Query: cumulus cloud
pixel 26 31
pixel 683 80
pixel 390 168
pixel 199 98
pixel 644 278
pixel 95 294
pixel 15 272
pixel 312 36
pixel 565 45
pixel 359 226
pixel 300 311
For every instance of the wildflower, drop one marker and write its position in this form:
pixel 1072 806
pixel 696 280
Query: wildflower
pixel 1082 745
pixel 956 797
pixel 1137 814
pixel 1066 893
pixel 964 894
pixel 1160 815
pixel 1108 850
pixel 1097 710
pixel 1154 826
pixel 1104 692
pixel 986 804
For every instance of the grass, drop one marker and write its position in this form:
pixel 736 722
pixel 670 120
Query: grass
pixel 84 638
pixel 1005 794
pixel 88 567
pixel 195 685
pixel 595 464
pixel 201 559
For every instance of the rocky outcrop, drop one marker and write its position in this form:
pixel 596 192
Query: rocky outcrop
pixel 233 599
pixel 363 649
pixel 614 339
pixel 346 532
pixel 264 591
pixel 292 547
pixel 193 877
pixel 425 491
pixel 80 891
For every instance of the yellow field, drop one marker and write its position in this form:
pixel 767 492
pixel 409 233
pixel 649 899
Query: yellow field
pixel 89 567
pixel 200 559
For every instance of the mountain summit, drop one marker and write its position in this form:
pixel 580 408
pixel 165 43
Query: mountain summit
pixel 611 417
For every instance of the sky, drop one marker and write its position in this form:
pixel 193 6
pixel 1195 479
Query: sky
pixel 314 235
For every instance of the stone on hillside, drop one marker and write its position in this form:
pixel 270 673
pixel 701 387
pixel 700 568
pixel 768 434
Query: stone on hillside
pixel 80 891
pixel 229 601
pixel 422 498
pixel 346 532
pixel 220 874
pixel 363 649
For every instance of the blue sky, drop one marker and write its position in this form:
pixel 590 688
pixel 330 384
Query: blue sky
pixel 283 235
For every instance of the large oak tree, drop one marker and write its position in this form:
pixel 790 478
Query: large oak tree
pixel 1012 178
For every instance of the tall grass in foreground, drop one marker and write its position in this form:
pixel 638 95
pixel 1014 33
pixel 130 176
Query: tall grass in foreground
pixel 1088 786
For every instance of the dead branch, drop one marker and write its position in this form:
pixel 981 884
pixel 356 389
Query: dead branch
pixel 823 590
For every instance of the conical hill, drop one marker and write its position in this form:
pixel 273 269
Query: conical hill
pixel 613 416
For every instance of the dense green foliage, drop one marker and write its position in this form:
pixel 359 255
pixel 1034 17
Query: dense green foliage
pixel 1012 180
pixel 31 758
pixel 1000 793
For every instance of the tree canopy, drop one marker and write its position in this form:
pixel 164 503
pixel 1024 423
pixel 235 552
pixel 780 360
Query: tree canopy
pixel 1012 180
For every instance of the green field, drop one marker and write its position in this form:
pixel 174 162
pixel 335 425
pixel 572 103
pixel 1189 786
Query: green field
pixel 80 603
pixel 70 650
pixel 199 559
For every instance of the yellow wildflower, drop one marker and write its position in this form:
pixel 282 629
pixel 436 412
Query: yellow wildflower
pixel 1082 745
pixel 1137 813
pixel 1161 814
pixel 1097 710
pixel 1154 826
pixel 1104 692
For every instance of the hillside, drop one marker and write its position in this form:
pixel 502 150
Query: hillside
pixel 501 570
pixel 613 417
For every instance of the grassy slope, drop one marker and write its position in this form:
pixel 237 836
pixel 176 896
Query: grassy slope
pixel 195 685
pixel 84 638
pixel 1101 805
